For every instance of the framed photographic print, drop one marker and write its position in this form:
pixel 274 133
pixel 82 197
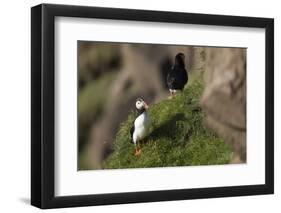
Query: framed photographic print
pixel 140 106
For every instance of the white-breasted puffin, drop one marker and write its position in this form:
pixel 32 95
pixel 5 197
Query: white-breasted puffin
pixel 177 77
pixel 140 126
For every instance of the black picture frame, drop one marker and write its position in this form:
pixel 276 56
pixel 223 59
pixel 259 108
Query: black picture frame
pixel 43 105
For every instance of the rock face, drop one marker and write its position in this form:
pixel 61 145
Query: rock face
pixel 224 97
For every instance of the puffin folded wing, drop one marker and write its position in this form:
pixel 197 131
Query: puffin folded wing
pixel 171 80
pixel 132 132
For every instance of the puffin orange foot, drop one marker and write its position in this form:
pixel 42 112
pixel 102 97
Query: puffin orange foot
pixel 137 152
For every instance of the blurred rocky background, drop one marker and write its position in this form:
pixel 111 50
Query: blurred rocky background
pixel 224 97
pixel 113 75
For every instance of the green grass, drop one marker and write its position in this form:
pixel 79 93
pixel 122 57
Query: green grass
pixel 177 136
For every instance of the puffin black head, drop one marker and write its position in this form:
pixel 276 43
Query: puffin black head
pixel 179 60
pixel 141 105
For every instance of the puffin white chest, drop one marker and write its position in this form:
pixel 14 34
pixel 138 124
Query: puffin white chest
pixel 141 124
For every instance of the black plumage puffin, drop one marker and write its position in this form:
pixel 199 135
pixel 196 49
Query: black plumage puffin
pixel 141 125
pixel 177 77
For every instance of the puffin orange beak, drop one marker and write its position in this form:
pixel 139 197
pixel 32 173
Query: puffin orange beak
pixel 146 106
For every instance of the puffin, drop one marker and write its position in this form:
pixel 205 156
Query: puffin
pixel 177 78
pixel 140 126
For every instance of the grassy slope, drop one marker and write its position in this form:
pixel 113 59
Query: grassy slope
pixel 177 136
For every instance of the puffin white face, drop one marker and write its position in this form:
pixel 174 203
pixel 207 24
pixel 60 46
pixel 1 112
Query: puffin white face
pixel 140 104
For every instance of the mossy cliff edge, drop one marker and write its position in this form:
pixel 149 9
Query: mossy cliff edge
pixel 177 136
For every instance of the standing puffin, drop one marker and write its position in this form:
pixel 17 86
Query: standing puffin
pixel 141 125
pixel 177 77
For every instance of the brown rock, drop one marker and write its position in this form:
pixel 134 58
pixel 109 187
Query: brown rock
pixel 224 97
